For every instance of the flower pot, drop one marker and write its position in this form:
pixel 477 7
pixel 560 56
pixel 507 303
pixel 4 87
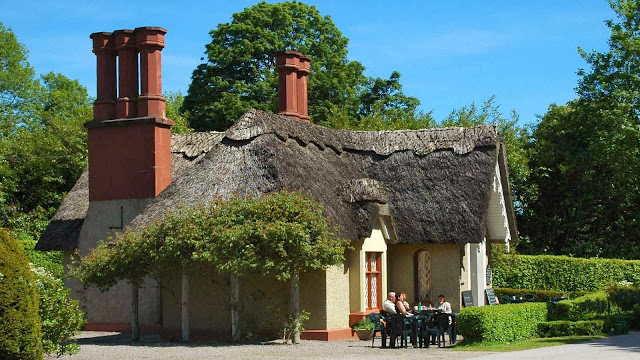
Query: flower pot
pixel 364 334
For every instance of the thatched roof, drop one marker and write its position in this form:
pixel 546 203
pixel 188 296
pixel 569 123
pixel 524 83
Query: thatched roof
pixel 435 183
pixel 64 229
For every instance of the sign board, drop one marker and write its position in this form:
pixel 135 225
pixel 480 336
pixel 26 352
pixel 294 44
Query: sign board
pixel 491 297
pixel 489 275
pixel 467 298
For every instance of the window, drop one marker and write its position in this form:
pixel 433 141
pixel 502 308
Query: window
pixel 373 280
pixel 422 264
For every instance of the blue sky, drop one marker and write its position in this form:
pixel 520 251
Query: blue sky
pixel 450 53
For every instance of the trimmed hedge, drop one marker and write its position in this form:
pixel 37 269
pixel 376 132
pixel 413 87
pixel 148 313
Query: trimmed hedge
pixel 20 336
pixel 561 273
pixel 502 323
pixel 538 295
pixel 570 328
pixel 588 307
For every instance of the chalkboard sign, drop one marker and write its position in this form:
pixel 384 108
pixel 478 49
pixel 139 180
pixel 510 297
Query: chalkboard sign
pixel 491 297
pixel 489 275
pixel 467 298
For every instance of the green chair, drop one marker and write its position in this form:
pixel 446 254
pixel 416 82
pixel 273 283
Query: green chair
pixel 400 327
pixel 432 325
pixel 379 327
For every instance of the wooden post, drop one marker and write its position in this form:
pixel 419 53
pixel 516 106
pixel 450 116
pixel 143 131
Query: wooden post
pixel 135 327
pixel 235 302
pixel 295 306
pixel 185 306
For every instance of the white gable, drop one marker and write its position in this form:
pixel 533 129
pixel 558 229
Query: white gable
pixel 497 220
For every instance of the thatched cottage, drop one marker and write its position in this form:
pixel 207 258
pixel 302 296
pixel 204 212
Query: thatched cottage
pixel 420 207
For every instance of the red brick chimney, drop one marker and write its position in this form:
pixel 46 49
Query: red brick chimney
pixel 293 68
pixel 129 139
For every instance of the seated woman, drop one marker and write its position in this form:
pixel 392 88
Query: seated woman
pixel 400 308
pixel 405 303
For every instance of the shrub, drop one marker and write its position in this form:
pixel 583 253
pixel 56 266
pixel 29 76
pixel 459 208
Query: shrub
pixel 538 295
pixel 626 297
pixel 562 273
pixel 60 315
pixel 570 328
pixel 502 323
pixel 591 306
pixel 20 332
pixel 364 324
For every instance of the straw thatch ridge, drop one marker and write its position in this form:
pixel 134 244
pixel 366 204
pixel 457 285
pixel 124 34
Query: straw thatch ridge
pixel 64 229
pixel 436 183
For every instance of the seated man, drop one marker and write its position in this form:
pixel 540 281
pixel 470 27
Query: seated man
pixel 389 304
pixel 444 305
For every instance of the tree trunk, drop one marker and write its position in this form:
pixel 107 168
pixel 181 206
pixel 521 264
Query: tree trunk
pixel 185 306
pixel 135 325
pixel 235 302
pixel 295 306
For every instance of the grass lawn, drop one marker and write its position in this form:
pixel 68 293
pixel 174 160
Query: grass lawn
pixel 525 344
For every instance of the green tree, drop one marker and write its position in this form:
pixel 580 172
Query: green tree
pixel 239 71
pixel 19 87
pixel 175 113
pixel 584 155
pixel 20 337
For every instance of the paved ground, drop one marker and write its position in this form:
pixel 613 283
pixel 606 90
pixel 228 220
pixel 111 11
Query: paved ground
pixel 621 347
pixel 112 346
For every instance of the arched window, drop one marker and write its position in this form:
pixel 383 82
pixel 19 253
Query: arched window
pixel 422 266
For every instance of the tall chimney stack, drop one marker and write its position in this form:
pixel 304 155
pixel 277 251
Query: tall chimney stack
pixel 293 68
pixel 129 139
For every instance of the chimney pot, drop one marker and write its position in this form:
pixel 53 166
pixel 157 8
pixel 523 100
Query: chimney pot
pixel 125 44
pixel 150 42
pixel 303 71
pixel 103 47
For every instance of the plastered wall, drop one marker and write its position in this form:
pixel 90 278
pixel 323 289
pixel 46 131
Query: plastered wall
pixel 113 306
pixel 445 271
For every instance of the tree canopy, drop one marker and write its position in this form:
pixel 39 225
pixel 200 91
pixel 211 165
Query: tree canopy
pixel 585 167
pixel 239 69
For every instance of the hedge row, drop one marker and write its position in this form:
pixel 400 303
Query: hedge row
pixel 591 306
pixel 538 295
pixel 561 273
pixel 570 328
pixel 502 323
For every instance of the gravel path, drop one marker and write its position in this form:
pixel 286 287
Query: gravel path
pixel 112 346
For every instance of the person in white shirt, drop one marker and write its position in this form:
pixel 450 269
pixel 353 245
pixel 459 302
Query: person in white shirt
pixel 389 305
pixel 444 305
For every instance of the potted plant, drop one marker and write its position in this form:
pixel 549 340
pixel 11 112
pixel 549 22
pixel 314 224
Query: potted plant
pixel 364 329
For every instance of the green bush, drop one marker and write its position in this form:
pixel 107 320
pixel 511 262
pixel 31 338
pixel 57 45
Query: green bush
pixel 538 295
pixel 364 324
pixel 60 315
pixel 588 307
pixel 570 328
pixel 561 273
pixel 502 323
pixel 49 260
pixel 20 331
pixel 626 297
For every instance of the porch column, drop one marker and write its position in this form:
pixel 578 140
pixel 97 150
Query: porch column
pixel 477 257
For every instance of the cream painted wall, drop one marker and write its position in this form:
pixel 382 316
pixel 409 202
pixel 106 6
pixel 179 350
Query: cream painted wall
pixel 357 257
pixel 328 305
pixel 445 271
pixel 337 296
pixel 113 306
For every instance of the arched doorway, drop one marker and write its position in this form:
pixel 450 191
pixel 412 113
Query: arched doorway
pixel 422 275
